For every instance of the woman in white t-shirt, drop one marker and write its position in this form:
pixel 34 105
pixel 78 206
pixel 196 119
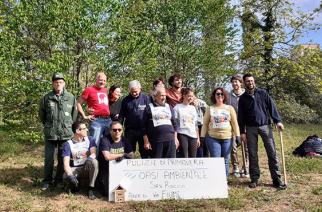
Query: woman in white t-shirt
pixel 187 125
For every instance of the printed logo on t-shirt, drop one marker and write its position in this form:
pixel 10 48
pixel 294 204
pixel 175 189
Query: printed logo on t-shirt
pixel 117 150
pixel 187 121
pixel 161 115
pixel 141 107
pixel 102 98
pixel 220 118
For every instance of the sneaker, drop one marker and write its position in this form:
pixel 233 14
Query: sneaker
pixel 243 175
pixel 45 187
pixel 236 172
pixel 277 183
pixel 253 184
pixel 91 194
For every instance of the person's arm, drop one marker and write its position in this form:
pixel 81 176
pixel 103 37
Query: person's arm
pixel 75 111
pixel 80 102
pixel 123 111
pixel 274 113
pixel 67 168
pixel 206 120
pixel 92 151
pixel 109 156
pixel 241 116
pixel 147 144
pixel 233 121
pixel 42 111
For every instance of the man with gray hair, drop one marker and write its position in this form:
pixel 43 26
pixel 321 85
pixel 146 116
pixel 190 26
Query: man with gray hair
pixel 159 127
pixel 131 114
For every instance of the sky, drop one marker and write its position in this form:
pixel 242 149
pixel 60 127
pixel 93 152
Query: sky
pixel 310 36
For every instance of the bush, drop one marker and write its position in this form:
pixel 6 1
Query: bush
pixel 293 112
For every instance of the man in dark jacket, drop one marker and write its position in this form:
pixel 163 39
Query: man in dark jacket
pixel 255 111
pixel 159 127
pixel 131 114
pixel 57 113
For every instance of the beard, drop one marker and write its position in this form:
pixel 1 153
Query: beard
pixel 250 90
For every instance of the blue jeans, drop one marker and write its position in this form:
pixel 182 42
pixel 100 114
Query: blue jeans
pixel 97 128
pixel 219 148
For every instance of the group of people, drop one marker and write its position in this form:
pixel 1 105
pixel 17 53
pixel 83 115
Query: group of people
pixel 168 123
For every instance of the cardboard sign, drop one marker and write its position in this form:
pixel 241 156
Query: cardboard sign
pixel 178 178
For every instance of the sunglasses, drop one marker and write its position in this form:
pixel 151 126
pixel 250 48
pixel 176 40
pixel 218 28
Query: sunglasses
pixel 219 94
pixel 117 130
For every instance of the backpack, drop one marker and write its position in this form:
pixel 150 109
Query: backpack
pixel 311 146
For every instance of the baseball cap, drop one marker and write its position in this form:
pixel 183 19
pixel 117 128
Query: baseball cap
pixel 57 76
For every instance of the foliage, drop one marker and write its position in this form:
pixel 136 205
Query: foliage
pixel 269 28
pixel 298 86
pixel 293 112
pixel 128 40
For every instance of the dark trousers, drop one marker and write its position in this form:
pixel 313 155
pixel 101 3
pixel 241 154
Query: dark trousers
pixel 202 150
pixel 188 146
pixel 134 137
pixel 86 173
pixel 50 147
pixel 165 149
pixel 266 134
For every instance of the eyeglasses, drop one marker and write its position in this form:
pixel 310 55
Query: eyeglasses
pixel 117 130
pixel 85 128
pixel 219 94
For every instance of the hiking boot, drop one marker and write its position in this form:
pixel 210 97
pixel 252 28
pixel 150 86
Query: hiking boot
pixel 91 194
pixel 277 183
pixel 253 184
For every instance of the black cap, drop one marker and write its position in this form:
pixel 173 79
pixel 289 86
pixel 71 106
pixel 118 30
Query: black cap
pixel 57 76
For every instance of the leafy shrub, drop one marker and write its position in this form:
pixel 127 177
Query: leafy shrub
pixel 27 136
pixel 293 112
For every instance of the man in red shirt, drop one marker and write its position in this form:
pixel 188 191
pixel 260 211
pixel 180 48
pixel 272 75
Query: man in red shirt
pixel 97 103
pixel 174 93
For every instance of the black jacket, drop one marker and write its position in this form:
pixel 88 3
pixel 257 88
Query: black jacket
pixel 257 110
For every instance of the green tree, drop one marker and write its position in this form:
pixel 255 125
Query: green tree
pixel 269 28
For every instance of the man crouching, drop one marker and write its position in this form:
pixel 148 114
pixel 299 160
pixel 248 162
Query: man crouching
pixel 79 157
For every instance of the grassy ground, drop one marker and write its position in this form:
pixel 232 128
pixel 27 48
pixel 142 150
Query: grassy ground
pixel 21 168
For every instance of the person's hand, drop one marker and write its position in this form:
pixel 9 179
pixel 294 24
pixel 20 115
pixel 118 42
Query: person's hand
pixel 89 117
pixel 198 143
pixel 238 141
pixel 147 145
pixel 243 137
pixel 73 180
pixel 176 141
pixel 119 159
pixel 280 126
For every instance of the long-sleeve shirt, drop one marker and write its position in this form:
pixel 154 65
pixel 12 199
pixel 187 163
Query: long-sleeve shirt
pixel 220 122
pixel 257 110
pixel 132 110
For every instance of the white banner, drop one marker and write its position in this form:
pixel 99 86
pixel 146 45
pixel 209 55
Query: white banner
pixel 178 178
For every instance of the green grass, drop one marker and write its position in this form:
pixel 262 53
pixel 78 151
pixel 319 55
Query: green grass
pixel 21 168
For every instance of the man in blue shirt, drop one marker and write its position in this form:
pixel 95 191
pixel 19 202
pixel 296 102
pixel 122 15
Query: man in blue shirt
pixel 255 111
pixel 79 158
pixel 131 114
